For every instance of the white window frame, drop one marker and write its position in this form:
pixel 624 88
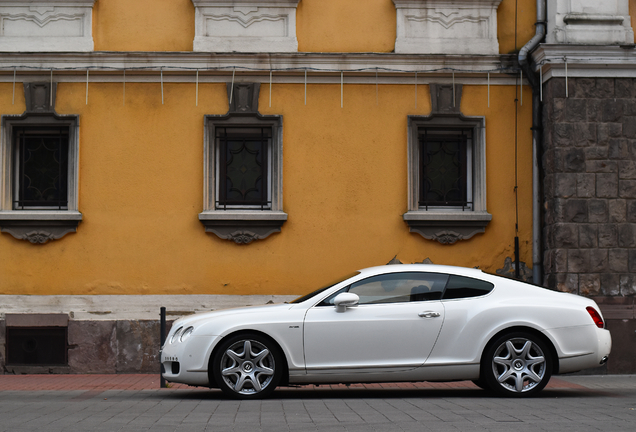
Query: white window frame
pixel 448 224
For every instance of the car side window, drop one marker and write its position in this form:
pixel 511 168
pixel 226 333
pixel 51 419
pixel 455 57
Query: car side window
pixel 395 288
pixel 465 287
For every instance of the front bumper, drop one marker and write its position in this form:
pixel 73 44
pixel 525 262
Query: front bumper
pixel 187 362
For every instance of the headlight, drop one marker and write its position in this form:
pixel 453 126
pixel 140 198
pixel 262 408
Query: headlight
pixel 186 333
pixel 176 335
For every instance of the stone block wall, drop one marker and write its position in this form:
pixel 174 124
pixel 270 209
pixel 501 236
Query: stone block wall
pixel 589 163
pixel 122 346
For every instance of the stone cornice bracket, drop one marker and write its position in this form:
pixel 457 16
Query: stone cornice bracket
pixel 40 97
pixel 446 98
pixel 39 227
pixel 588 22
pixel 245 25
pixel 447 26
pixel 243 98
pixel 243 228
pixel 447 228
pixel 46 25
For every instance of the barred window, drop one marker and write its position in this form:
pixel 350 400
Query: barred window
pixel 40 168
pixel 244 175
pixel 445 168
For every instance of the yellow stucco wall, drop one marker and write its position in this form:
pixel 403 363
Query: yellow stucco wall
pixel 345 190
pixel 322 25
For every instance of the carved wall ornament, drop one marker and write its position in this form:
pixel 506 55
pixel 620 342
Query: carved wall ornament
pixel 245 25
pixel 589 22
pixel 39 97
pixel 39 232
pixel 447 26
pixel 46 25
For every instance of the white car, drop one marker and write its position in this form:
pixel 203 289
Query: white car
pixel 393 323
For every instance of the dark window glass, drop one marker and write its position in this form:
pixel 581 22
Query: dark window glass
pixel 462 287
pixel 243 167
pixel 443 167
pixel 41 168
pixel 395 288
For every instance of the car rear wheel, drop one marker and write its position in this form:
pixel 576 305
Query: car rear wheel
pixel 247 366
pixel 517 365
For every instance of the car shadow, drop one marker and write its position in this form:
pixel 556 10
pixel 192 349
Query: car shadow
pixel 287 393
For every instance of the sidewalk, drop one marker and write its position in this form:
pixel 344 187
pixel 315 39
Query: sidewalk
pixel 151 382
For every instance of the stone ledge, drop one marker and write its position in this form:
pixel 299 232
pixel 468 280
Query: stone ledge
pixel 243 227
pixel 447 227
pixel 39 227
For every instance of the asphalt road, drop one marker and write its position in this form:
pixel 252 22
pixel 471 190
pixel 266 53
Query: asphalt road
pixel 572 404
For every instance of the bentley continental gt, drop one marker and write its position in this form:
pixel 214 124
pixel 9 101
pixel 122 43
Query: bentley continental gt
pixel 394 323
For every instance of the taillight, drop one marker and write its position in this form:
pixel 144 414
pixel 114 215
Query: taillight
pixel 595 316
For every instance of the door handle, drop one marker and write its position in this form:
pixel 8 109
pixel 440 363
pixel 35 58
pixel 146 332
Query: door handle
pixel 429 314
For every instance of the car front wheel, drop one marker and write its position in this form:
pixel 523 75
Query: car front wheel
pixel 517 365
pixel 247 366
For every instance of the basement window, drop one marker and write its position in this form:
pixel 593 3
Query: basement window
pixel 37 346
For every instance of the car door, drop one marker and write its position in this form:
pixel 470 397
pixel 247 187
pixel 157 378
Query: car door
pixel 394 326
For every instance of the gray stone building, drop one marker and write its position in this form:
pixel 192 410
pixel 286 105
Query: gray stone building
pixel 587 160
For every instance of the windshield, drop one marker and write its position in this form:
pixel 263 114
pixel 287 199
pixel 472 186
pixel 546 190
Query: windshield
pixel 318 291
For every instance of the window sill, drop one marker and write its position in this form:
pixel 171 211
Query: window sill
pixel 447 227
pixel 243 226
pixel 39 226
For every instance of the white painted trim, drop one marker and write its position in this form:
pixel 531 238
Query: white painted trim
pixel 295 63
pixel 585 61
pixel 46 25
pixel 128 307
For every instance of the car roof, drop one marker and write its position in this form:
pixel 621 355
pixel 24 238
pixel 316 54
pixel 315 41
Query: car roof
pixel 430 268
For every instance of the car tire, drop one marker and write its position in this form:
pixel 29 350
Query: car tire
pixel 517 365
pixel 247 366
pixel 481 383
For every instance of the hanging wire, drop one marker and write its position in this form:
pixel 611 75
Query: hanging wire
pixel 453 88
pixel 305 86
pixel 415 90
pixel 270 88
pixel 124 95
pixel 376 87
pixel 566 78
pixel 51 95
pixel 341 89
pixel 541 83
pixel 13 101
pixel 488 89
pixel 232 86
pixel 86 86
pixel 196 92
pixel 161 86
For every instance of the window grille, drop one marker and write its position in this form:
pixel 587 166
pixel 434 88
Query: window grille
pixel 41 168
pixel 243 167
pixel 445 168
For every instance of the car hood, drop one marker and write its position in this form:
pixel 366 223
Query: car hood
pixel 213 315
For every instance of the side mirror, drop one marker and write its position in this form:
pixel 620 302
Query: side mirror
pixel 345 300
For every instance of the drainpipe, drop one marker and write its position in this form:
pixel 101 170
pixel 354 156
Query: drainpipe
pixel 537 271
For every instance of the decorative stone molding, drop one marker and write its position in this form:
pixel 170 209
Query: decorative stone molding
pixel 245 25
pixel 447 26
pixel 46 25
pixel 447 227
pixel 444 224
pixel 589 22
pixel 38 226
pixel 243 226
